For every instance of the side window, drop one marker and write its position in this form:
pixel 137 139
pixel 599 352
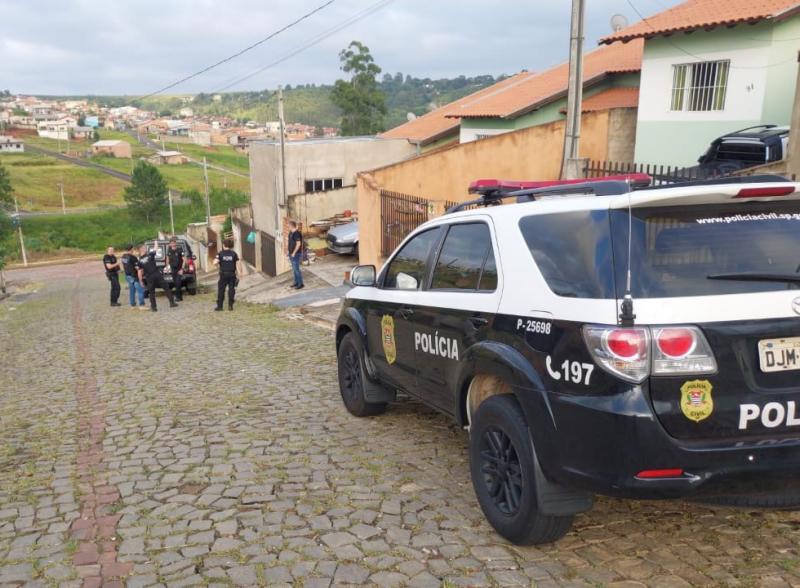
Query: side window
pixel 407 269
pixel 466 261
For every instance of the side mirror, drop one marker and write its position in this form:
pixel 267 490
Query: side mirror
pixel 363 275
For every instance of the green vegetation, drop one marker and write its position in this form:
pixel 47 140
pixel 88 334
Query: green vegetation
pixel 6 196
pixel 362 102
pixel 146 197
pixel 92 232
pixel 221 155
pixel 36 180
pixel 310 103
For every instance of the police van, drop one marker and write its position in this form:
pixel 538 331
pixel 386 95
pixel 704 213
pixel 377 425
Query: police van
pixel 593 338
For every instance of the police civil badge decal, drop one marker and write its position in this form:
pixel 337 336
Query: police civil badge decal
pixel 387 337
pixel 696 401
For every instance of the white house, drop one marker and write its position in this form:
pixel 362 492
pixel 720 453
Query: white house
pixel 11 145
pixel 710 68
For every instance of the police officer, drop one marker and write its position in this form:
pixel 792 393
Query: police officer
pixel 175 261
pixel 228 262
pixel 111 265
pixel 148 270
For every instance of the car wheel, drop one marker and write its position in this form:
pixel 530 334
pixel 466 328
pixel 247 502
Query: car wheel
pixel 503 474
pixel 192 290
pixel 351 379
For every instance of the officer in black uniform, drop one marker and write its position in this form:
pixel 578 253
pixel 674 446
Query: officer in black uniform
pixel 175 261
pixel 148 270
pixel 228 262
pixel 111 265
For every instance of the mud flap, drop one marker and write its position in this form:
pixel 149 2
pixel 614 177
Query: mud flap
pixel 557 500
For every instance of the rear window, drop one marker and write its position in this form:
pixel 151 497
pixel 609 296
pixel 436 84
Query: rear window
pixel 573 252
pixel 752 152
pixel 675 249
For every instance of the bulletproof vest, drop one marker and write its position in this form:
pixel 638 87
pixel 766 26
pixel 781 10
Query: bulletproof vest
pixel 227 262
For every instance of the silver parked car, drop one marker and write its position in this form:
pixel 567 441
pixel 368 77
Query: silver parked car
pixel 344 238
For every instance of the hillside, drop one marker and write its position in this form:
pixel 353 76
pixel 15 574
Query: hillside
pixel 310 103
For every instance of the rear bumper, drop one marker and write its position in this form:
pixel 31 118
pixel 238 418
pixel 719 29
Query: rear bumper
pixel 186 279
pixel 601 444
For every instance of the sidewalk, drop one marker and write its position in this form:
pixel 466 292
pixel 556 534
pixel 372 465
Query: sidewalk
pixel 318 302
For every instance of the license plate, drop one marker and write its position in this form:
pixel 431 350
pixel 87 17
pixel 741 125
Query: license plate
pixel 779 355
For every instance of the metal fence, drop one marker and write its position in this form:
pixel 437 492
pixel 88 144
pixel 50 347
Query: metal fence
pixel 248 248
pixel 400 214
pixel 661 174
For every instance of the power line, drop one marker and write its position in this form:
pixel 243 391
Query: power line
pixel 703 59
pixel 311 42
pixel 245 50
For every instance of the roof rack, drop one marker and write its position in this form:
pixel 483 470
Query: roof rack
pixel 493 192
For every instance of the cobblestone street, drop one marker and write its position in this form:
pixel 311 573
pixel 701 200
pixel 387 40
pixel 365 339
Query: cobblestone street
pixel 191 447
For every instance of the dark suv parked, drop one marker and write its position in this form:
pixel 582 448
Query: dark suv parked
pixel 745 148
pixel 189 274
pixel 591 338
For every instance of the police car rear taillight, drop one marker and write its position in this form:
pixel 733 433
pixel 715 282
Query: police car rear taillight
pixel 622 352
pixel 660 474
pixel 681 350
pixel 635 353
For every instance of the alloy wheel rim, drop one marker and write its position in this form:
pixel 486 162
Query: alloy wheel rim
pixel 352 375
pixel 501 471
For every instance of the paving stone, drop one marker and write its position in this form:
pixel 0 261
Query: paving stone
pixel 243 576
pixel 350 574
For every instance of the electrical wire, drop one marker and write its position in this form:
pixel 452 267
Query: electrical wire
pixel 239 53
pixel 311 42
pixel 703 59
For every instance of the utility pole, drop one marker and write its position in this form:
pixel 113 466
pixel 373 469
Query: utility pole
pixel 282 124
pixel 171 216
pixel 572 130
pixel 21 238
pixel 63 203
pixel 208 202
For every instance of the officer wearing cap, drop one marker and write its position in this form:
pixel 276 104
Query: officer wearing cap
pixel 111 265
pixel 228 262
pixel 175 261
pixel 149 271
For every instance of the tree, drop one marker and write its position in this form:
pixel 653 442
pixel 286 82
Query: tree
pixel 362 102
pixel 147 195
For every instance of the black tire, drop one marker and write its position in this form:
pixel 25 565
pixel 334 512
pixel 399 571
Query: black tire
pixel 192 290
pixel 351 379
pixel 503 474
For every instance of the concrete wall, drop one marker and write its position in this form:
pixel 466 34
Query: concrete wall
pixel 526 154
pixel 308 208
pixel 759 89
pixel 309 160
pixel 621 134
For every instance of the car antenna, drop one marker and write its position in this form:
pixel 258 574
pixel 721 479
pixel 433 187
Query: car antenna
pixel 626 316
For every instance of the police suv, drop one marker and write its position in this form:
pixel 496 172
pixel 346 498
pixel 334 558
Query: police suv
pixel 593 338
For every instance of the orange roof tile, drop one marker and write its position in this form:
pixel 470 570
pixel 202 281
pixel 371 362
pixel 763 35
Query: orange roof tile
pixel 433 125
pixel 611 98
pixel 536 90
pixel 705 14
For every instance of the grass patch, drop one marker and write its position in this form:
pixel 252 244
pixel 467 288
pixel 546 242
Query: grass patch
pixel 222 155
pixel 35 179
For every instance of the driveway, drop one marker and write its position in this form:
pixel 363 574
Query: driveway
pixel 192 447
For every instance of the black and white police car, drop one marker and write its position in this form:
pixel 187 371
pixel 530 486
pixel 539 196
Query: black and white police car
pixel 593 339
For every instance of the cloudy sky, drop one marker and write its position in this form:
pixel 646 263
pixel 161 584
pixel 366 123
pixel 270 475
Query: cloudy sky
pixel 138 46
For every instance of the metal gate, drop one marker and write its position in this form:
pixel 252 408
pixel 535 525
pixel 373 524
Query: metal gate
pixel 400 214
pixel 268 265
pixel 248 249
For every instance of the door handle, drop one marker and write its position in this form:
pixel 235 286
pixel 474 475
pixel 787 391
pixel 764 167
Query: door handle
pixel 406 313
pixel 478 322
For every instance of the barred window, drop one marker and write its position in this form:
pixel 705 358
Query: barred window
pixel 700 86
